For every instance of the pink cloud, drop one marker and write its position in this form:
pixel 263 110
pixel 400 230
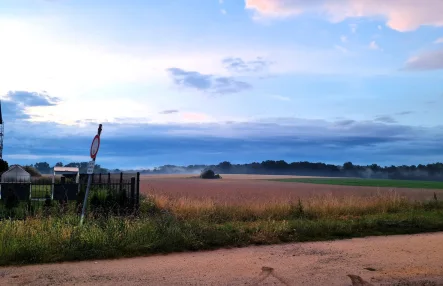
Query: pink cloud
pixel 404 15
pixel 195 117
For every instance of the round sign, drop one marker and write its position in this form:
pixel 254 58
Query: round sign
pixel 94 146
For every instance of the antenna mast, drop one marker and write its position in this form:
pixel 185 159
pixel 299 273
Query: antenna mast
pixel 2 128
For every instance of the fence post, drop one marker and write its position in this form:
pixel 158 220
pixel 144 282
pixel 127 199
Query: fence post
pixel 121 182
pixel 133 192
pixel 100 178
pixel 137 198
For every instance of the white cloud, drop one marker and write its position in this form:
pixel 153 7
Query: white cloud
pixel 405 15
pixel 353 28
pixel 281 98
pixel 223 11
pixel 344 39
pixel 373 46
pixel 341 49
pixel 439 41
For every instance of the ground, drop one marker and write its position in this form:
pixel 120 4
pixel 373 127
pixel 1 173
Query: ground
pixel 393 260
pixel 239 188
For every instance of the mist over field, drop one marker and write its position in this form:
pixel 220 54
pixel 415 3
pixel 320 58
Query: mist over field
pixel 269 167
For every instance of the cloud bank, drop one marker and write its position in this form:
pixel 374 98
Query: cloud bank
pixel 403 16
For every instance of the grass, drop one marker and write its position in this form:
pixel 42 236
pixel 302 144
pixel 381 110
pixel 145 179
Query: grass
pixel 367 182
pixel 169 225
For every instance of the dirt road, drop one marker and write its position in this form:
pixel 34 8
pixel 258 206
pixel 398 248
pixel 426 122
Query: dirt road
pixel 390 260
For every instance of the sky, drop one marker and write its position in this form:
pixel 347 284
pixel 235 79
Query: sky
pixel 204 81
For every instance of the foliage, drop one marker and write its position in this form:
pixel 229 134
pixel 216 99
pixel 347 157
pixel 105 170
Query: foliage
pixel 209 174
pixel 4 166
pixel 32 171
pixel 167 229
pixel 281 167
pixel 367 182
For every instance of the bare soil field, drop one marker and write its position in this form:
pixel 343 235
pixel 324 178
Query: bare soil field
pixel 395 260
pixel 256 188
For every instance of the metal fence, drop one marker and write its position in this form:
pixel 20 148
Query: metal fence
pixel 108 191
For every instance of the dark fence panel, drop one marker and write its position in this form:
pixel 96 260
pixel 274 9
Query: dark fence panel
pixel 107 191
pixel 20 191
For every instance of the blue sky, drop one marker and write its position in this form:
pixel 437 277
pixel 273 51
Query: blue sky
pixel 199 82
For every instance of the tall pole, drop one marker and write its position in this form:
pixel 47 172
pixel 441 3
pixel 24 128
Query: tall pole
pixel 89 183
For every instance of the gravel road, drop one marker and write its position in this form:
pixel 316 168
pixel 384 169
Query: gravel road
pixel 393 260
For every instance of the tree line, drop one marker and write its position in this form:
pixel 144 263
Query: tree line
pixel 348 169
pixel 45 168
pixel 432 171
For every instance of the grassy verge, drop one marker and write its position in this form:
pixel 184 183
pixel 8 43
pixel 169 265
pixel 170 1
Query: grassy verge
pixel 169 226
pixel 367 182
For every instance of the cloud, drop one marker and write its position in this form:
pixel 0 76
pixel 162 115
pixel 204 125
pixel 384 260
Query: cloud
pixel 134 144
pixel 16 104
pixel 240 66
pixel 399 15
pixel 439 41
pixel 430 60
pixel 385 119
pixel 223 11
pixel 206 82
pixel 169 111
pixel 341 49
pixel 353 28
pixel 32 98
pixel 281 98
pixel 373 46
pixel 404 113
pixel 379 27
pixel 343 39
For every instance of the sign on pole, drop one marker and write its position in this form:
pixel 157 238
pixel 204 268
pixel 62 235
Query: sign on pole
pixel 91 166
pixel 95 145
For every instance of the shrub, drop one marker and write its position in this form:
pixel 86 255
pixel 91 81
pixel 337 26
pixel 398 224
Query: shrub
pixel 32 171
pixel 209 174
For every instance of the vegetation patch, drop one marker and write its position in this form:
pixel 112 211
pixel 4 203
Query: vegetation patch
pixel 165 225
pixel 415 184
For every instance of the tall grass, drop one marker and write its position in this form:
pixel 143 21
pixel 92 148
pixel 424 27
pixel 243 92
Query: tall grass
pixel 325 206
pixel 166 225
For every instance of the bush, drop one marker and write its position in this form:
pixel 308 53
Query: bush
pixel 3 166
pixel 32 171
pixel 209 174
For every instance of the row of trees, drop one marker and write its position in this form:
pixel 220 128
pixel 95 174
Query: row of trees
pixel 430 171
pixel 45 168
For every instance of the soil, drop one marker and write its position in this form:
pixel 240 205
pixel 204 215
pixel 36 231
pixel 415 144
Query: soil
pixel 393 260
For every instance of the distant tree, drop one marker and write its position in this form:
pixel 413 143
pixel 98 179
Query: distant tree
pixel 43 167
pixel 4 166
pixel 225 167
pixel 32 171
pixel 59 164
pixel 348 166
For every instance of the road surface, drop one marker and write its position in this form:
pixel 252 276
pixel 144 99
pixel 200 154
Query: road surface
pixel 394 260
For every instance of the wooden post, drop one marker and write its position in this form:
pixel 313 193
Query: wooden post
pixel 133 192
pixel 121 181
pixel 138 191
